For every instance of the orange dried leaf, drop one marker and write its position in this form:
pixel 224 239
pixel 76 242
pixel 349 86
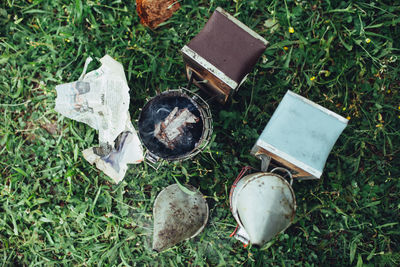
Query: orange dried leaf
pixel 154 12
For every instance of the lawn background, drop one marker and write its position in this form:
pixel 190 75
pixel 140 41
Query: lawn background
pixel 56 209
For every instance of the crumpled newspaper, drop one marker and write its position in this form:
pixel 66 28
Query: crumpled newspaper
pixel 100 99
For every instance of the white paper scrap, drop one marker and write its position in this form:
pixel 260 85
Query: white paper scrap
pixel 100 99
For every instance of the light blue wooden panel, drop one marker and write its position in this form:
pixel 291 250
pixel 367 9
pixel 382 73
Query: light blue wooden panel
pixel 302 132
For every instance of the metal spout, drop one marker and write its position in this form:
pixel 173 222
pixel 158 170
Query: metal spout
pixel 177 216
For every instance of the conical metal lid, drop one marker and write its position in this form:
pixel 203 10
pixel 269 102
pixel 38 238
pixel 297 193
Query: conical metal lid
pixel 264 205
pixel 177 216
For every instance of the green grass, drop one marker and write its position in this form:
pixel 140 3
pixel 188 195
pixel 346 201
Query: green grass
pixel 56 209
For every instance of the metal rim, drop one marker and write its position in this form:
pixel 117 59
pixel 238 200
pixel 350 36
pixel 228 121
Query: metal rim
pixel 205 112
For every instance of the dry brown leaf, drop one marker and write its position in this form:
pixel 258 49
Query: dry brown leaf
pixel 154 12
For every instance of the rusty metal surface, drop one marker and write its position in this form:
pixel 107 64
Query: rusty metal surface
pixel 177 216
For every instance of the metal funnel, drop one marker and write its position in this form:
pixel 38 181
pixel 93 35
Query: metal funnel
pixel 263 205
pixel 177 216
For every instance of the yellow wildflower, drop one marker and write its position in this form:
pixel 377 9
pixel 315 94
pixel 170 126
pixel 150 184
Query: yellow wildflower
pixel 312 78
pixel 399 107
pixel 348 118
pixel 367 40
pixel 379 125
pixel 291 29
pixel 285 48
pixel 380 119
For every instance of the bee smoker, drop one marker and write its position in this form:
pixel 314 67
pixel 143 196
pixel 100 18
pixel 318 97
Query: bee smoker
pixel 177 124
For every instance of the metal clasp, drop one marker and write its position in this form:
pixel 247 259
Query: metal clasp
pixel 284 170
pixel 152 160
pixel 265 162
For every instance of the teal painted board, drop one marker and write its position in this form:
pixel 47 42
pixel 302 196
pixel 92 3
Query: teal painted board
pixel 302 133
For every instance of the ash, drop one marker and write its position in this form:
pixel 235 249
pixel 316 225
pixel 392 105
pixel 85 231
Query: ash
pixel 171 130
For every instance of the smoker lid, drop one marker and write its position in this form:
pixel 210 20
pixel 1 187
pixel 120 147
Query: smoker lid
pixel 227 47
pixel 178 216
pixel 263 204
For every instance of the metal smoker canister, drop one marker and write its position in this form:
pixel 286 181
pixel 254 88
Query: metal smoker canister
pixel 178 215
pixel 298 138
pixel 190 138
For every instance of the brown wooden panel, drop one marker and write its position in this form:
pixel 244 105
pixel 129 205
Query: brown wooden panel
pixel 214 86
pixel 298 172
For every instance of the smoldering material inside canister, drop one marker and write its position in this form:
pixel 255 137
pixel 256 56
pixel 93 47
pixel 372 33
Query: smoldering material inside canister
pixel 171 125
